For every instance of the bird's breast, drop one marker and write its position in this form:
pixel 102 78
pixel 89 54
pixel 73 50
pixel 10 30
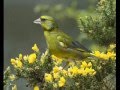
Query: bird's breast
pixel 51 40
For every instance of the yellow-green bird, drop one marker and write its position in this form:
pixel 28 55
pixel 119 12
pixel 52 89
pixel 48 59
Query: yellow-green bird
pixel 60 44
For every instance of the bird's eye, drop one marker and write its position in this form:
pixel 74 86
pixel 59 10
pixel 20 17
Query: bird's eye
pixel 43 19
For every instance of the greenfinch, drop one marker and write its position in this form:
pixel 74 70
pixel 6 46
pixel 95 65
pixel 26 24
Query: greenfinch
pixel 60 44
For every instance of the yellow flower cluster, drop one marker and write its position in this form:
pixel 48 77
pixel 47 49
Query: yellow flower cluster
pixel 57 69
pixel 85 65
pixel 73 71
pixel 17 63
pixel 56 72
pixel 56 76
pixel 107 56
pixel 57 60
pixel 85 69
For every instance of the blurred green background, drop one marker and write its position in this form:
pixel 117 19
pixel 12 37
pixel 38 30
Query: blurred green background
pixel 20 33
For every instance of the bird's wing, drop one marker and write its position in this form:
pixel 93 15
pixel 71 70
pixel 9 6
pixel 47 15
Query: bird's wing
pixel 67 42
pixel 78 46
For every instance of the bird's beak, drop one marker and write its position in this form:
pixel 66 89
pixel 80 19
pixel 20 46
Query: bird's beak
pixel 37 21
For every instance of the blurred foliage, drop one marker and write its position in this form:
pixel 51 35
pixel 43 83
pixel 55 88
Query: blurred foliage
pixel 61 11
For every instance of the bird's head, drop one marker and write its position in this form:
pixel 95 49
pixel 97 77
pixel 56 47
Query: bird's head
pixel 47 23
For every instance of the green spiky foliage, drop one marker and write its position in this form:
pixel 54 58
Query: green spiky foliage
pixel 101 26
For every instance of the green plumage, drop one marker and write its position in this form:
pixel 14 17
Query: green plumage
pixel 59 43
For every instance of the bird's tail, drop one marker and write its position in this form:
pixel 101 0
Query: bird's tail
pixel 92 56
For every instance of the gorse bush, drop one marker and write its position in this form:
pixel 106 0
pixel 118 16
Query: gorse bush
pixel 44 71
pixel 48 72
pixel 101 27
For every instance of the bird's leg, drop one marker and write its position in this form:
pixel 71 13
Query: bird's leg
pixel 67 62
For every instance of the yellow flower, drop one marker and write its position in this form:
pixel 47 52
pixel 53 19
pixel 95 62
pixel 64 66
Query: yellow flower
pixel 13 61
pixel 53 57
pixel 84 73
pixel 87 70
pixel 89 64
pixel 75 70
pixel 14 87
pixel 56 59
pixel 111 54
pixel 61 82
pixel 48 77
pixel 80 71
pixel 32 58
pixel 72 71
pixel 91 71
pixel 35 48
pixel 84 64
pixel 36 87
pixel 20 56
pixel 104 56
pixel 25 57
pixel 56 75
pixel 97 53
pixel 12 77
pixel 19 63
pixel 16 63
pixel 55 69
